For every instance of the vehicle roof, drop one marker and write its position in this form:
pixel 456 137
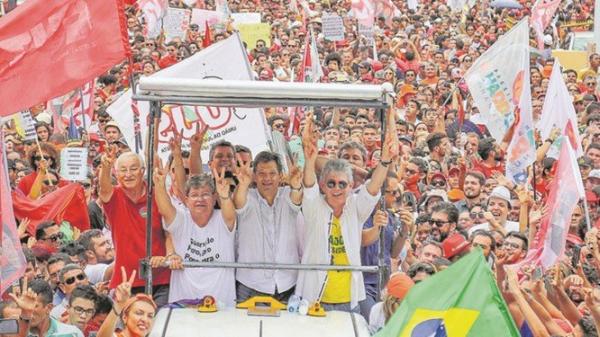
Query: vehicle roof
pixel 233 322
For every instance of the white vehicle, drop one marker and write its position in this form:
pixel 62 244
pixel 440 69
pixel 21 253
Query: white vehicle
pixel 237 323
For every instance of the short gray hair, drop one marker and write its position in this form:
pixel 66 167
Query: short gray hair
pixel 353 145
pixel 199 181
pixel 337 165
pixel 66 269
pixel 127 155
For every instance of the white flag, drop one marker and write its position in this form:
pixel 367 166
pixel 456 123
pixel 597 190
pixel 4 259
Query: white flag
pixel 559 112
pixel 153 11
pixel 223 60
pixel 499 83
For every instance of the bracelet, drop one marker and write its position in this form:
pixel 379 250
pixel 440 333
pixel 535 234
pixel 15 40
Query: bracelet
pixel 224 198
pixel 115 311
pixel 549 140
pixel 296 189
pixel 385 163
pixel 25 319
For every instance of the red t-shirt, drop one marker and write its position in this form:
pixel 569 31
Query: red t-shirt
pixel 127 221
pixel 486 170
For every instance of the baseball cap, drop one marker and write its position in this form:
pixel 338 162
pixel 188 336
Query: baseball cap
pixel 399 285
pixel 113 124
pixel 44 117
pixel 548 39
pixel 501 192
pixel 438 176
pixel 454 245
pixel 594 174
pixel 435 193
pixel 585 161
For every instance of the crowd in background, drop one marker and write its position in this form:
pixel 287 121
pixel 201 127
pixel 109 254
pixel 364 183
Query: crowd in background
pixel 434 186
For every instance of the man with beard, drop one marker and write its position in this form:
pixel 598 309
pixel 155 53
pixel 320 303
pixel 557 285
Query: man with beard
pixel 444 217
pixel 99 256
pixel 472 186
pixel 573 286
pixel 492 158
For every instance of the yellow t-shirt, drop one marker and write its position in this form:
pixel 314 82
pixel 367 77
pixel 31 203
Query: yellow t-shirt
pixel 337 286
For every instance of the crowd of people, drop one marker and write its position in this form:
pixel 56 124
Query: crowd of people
pixel 433 185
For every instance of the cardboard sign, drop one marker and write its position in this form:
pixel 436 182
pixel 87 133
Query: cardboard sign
pixel 25 125
pixel 201 16
pixel 176 23
pixel 252 32
pixel 73 163
pixel 367 33
pixel 333 27
pixel 241 18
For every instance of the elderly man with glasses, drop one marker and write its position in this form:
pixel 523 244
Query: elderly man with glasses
pixel 334 223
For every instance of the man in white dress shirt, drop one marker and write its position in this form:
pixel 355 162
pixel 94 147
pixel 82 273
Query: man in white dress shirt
pixel 267 227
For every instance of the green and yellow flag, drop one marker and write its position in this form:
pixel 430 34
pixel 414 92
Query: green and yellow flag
pixel 461 301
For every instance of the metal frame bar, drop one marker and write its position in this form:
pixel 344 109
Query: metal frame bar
pixel 156 102
pixel 280 266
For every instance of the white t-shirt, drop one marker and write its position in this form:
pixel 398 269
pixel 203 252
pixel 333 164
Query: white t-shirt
pixel 376 318
pixel 95 272
pixel 211 243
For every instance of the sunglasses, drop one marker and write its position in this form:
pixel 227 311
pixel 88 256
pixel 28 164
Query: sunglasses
pixel 56 237
pixel 340 184
pixel 71 280
pixel 50 182
pixel 438 183
pixel 438 223
pixel 475 215
pixel 86 185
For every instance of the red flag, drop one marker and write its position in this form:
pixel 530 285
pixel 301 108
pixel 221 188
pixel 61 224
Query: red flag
pixel 67 203
pixel 207 41
pixel 48 48
pixel 364 12
pixel 12 260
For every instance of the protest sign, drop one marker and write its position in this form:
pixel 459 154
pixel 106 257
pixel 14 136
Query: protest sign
pixel 25 125
pixel 241 18
pixel 252 32
pixel 73 163
pixel 201 16
pixel 333 27
pixel 175 23
pixel 367 33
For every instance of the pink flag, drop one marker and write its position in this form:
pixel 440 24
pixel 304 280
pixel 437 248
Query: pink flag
pixel 12 260
pixel 565 192
pixel 541 15
pixel 364 12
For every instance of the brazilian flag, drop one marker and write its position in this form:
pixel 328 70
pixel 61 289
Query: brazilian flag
pixel 460 301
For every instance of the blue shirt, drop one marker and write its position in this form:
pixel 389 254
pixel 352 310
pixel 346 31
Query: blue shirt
pixel 369 255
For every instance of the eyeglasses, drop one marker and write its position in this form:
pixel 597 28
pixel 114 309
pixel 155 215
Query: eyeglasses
pixel 81 311
pixel 38 158
pixel 438 183
pixel 56 237
pixel 71 280
pixel 438 223
pixel 200 196
pixel 85 185
pixel 340 184
pixel 475 215
pixel 50 182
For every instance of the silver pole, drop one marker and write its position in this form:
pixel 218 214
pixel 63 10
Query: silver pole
pixel 279 266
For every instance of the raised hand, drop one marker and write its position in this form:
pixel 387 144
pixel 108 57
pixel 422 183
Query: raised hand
pixel 123 290
pixel 159 175
pixel 295 177
pixel 309 140
pixel 25 300
pixel 175 144
pixel 198 138
pixel 244 174
pixel 390 148
pixel 109 156
pixel 221 184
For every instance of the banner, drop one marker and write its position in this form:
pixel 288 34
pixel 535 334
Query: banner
pixel 48 48
pixel 252 32
pixel 12 260
pixel 223 60
pixel 333 27
pixel 201 16
pixel 500 92
pixel 559 112
pixel 176 23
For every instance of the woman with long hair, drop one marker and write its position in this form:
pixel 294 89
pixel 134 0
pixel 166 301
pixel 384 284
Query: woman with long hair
pixel 137 312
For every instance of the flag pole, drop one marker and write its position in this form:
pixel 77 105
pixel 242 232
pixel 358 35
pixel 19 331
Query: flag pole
pixel 587 213
pixel 83 109
pixel 37 142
